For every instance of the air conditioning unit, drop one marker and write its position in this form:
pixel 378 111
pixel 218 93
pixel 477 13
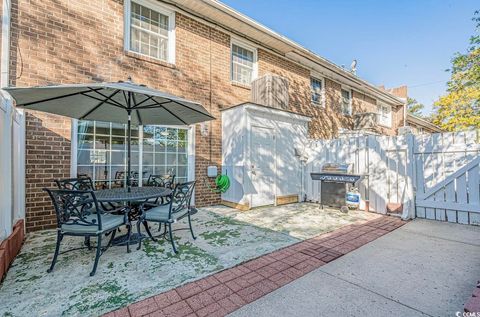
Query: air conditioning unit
pixel 271 91
pixel 365 121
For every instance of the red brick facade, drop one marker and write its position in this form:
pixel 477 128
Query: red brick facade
pixel 82 41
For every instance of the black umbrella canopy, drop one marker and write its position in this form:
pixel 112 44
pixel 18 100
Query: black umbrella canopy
pixel 121 102
pixel 111 102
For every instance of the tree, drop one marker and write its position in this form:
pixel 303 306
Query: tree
pixel 414 107
pixel 459 109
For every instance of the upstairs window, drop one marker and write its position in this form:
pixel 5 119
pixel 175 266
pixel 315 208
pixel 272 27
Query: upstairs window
pixel 346 102
pixel 385 115
pixel 244 59
pixel 150 30
pixel 317 89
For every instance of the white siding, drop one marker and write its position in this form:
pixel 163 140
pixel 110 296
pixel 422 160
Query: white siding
pixel 290 132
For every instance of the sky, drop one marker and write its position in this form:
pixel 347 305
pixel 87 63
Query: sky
pixel 395 42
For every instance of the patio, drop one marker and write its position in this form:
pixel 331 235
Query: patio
pixel 226 237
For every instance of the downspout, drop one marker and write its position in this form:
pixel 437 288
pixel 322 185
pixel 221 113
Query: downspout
pixel 5 46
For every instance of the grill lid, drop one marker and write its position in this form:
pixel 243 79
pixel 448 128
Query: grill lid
pixel 335 168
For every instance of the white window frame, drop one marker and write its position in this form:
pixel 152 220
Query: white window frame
pixel 242 44
pixel 190 149
pixel 350 103
pixel 381 122
pixel 155 6
pixel 322 92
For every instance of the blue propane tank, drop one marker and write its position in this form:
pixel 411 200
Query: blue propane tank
pixel 353 198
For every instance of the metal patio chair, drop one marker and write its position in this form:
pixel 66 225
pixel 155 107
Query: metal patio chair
pixel 79 214
pixel 77 183
pixel 84 183
pixel 176 209
pixel 165 180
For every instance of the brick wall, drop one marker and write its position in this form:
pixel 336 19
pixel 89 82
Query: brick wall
pixel 82 41
pixel 48 158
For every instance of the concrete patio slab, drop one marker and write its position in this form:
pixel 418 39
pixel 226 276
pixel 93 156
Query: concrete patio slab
pixel 123 278
pixel 320 294
pixel 425 267
pixel 226 237
pixel 303 220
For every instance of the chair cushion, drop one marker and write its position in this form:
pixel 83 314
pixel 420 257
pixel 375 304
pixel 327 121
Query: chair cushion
pixel 160 214
pixel 108 222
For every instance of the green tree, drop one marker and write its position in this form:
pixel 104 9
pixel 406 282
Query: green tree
pixel 459 109
pixel 414 107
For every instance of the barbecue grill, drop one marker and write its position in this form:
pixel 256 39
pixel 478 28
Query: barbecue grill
pixel 334 179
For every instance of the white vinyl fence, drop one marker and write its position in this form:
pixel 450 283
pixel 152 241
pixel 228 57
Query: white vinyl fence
pixel 434 176
pixel 447 177
pixel 12 165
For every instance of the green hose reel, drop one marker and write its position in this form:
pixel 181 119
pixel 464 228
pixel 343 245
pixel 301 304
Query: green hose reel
pixel 222 183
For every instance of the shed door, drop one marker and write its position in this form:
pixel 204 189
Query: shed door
pixel 262 166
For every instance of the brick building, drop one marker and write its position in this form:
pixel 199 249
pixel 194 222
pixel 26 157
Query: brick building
pixel 199 50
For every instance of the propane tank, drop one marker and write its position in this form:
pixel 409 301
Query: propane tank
pixel 353 198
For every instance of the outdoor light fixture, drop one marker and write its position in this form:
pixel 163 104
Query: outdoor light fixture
pixel 204 129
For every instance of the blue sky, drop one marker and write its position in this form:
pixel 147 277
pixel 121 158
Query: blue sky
pixel 395 42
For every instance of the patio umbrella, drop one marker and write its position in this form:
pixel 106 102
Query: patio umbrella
pixel 120 102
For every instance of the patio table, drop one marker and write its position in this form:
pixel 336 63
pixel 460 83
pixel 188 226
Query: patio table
pixel 136 194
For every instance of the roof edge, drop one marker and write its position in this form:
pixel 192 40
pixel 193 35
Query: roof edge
pixel 317 58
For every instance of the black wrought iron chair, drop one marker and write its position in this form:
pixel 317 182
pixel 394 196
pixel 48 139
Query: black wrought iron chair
pixel 79 214
pixel 166 180
pixel 176 209
pixel 84 183
pixel 77 183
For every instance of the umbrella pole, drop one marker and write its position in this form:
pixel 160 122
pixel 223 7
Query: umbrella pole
pixel 129 150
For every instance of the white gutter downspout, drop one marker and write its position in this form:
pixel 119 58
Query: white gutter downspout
pixel 5 58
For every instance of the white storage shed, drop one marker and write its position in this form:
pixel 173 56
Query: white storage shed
pixel 260 147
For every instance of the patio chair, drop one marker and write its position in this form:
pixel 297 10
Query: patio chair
pixel 176 209
pixel 166 180
pixel 84 183
pixel 79 214
pixel 77 183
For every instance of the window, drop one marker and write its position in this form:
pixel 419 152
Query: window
pixel 346 102
pixel 150 30
pixel 244 61
pixel 385 115
pixel 316 86
pixel 165 151
pixel 102 152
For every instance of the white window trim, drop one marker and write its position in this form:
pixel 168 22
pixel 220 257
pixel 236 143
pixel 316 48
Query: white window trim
pixel 249 47
pixel 190 148
pixel 390 119
pixel 322 92
pixel 350 105
pixel 160 9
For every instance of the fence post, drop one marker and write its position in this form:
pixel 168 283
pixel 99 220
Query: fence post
pixel 409 201
pixel 6 221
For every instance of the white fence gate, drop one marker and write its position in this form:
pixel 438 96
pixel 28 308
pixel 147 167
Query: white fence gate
pixel 434 176
pixel 447 177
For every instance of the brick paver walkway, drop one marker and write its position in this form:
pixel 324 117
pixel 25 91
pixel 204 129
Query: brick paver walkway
pixel 223 292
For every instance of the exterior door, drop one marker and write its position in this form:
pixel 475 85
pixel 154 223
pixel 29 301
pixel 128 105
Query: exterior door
pixel 262 166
